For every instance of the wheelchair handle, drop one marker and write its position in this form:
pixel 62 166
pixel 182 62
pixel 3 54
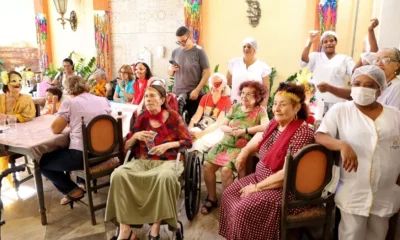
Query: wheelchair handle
pixel 8 171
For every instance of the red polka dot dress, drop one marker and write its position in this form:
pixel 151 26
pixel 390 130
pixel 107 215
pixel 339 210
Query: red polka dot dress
pixel 258 215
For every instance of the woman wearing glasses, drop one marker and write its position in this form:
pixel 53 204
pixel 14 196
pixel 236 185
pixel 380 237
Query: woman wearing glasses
pixel 124 89
pixel 204 126
pixel 240 124
pixel 241 69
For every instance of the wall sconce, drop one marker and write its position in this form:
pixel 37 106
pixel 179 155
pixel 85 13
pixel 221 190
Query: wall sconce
pixel 61 6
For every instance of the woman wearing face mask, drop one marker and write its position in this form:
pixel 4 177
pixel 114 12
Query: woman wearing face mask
pixel 328 67
pixel 210 114
pixel 369 144
pixel 240 69
pixel 143 74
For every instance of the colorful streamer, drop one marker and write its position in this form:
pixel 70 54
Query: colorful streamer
pixel 41 37
pixel 193 18
pixel 101 22
pixel 327 11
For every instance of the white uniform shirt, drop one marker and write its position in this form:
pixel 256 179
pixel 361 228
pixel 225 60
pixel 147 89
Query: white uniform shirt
pixel 332 71
pixel 372 189
pixel 391 95
pixel 237 68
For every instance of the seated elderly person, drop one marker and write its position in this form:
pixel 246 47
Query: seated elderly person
pixel 14 104
pixel 54 165
pixel 241 122
pixel 146 190
pixel 251 206
pixel 100 87
pixel 171 98
pixel 53 99
pixel 366 133
pixel 204 126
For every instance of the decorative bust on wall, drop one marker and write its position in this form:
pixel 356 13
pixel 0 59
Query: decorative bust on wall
pixel 254 12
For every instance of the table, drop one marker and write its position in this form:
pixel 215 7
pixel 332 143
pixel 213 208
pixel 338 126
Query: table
pixel 34 139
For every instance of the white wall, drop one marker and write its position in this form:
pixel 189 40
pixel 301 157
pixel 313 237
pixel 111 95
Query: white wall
pixel 17 20
pixel 148 23
pixel 65 41
pixel 389 16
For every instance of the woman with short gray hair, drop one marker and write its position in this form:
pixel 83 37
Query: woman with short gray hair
pixel 99 87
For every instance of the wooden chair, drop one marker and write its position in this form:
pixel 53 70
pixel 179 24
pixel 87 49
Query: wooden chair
pixel 14 156
pixel 306 176
pixel 103 151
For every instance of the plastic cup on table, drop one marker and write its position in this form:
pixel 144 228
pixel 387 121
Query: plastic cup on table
pixel 12 122
pixel 3 124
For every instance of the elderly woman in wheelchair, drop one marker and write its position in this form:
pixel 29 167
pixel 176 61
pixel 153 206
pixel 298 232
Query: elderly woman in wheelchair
pixel 204 125
pixel 146 190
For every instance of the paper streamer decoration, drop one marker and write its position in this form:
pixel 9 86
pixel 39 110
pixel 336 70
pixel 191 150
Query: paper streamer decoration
pixel 327 13
pixel 102 42
pixel 193 18
pixel 41 36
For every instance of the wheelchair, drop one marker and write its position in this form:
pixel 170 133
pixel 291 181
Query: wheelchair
pixel 190 181
pixel 181 105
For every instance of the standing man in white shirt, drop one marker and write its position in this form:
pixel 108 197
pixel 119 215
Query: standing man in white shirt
pixel 191 69
pixel 369 142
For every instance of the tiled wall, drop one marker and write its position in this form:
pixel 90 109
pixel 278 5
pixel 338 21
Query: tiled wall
pixel 144 23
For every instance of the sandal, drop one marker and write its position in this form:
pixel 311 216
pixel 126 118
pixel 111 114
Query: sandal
pixel 214 204
pixel 129 237
pixel 154 238
pixel 71 200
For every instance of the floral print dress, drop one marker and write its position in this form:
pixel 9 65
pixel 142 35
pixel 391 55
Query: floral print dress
pixel 224 153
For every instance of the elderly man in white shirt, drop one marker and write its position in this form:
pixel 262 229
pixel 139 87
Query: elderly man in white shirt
pixel 369 141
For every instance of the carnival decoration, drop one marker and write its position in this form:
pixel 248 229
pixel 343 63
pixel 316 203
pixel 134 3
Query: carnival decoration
pixel 327 15
pixel 193 18
pixel 102 42
pixel 41 36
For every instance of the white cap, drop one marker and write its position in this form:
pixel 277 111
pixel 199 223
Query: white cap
pixel 329 33
pixel 251 41
pixel 372 71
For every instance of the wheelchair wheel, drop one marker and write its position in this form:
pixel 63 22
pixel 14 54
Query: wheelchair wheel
pixel 185 117
pixel 192 185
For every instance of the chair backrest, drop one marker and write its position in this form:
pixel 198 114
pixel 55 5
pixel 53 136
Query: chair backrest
pixel 308 172
pixel 102 138
pixel 37 108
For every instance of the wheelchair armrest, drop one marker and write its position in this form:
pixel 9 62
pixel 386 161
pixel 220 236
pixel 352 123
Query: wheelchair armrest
pixel 128 153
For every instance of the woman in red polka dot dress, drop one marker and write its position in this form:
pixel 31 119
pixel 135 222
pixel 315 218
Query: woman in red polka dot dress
pixel 251 206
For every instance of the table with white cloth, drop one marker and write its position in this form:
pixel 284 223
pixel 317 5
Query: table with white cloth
pixel 33 139
pixel 127 111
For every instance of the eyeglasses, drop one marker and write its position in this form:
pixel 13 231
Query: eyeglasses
pixel 246 94
pixel 182 42
pixel 385 60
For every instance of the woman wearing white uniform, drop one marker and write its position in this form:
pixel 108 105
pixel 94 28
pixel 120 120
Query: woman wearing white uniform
pixel 241 69
pixel 369 142
pixel 327 66
pixel 387 59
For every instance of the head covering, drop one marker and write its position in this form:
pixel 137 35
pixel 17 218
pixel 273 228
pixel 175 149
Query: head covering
pixel 329 33
pixel 372 71
pixel 369 57
pixel 251 41
pixel 227 90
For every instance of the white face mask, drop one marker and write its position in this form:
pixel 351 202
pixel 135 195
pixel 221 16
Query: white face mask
pixel 363 96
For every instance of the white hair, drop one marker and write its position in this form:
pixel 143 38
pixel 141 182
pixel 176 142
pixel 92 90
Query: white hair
pixel 222 77
pixel 100 73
